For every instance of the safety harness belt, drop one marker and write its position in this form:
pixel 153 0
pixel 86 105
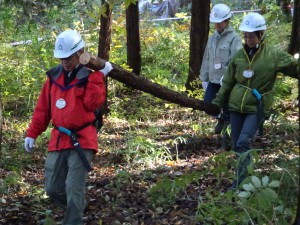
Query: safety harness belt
pixel 77 147
pixel 260 110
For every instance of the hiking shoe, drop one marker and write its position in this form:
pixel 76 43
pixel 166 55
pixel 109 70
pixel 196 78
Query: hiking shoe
pixel 86 206
pixel 219 126
pixel 226 139
pixel 224 148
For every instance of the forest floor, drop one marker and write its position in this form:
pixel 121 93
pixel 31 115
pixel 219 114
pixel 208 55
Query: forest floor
pixel 124 199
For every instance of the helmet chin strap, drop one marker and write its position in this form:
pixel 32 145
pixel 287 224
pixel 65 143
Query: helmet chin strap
pixel 74 69
pixel 70 72
pixel 77 53
pixel 262 37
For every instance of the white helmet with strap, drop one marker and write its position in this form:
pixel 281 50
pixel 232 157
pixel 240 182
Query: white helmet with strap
pixel 253 22
pixel 219 13
pixel 67 43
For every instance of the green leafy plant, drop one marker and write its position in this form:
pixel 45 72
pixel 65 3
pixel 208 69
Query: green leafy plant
pixel 215 208
pixel 10 180
pixel 144 151
pixel 257 203
pixel 221 164
pixel 164 192
pixel 141 129
pixel 179 140
pixel 261 202
pixel 123 178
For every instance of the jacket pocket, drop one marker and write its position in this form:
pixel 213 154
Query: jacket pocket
pixel 224 51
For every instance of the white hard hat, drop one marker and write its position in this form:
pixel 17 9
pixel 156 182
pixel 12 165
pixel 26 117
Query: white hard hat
pixel 219 13
pixel 253 22
pixel 67 43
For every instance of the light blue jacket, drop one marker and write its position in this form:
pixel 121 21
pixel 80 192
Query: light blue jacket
pixel 219 50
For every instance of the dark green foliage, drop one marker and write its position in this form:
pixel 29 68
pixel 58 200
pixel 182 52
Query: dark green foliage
pixel 143 133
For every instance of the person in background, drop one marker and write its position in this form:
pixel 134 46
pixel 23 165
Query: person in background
pixel 248 87
pixel 68 99
pixel 220 48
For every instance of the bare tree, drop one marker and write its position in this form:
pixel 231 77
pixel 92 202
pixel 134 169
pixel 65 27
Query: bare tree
pixel 1 122
pixel 104 48
pixel 294 46
pixel 198 38
pixel 133 38
pixel 105 33
pixel 297 218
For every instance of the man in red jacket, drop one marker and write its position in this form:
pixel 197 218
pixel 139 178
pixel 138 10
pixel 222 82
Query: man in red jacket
pixel 68 99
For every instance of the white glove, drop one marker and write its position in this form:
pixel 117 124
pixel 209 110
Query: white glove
pixel 204 85
pixel 29 142
pixel 107 68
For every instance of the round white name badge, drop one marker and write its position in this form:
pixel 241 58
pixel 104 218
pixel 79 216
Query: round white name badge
pixel 248 73
pixel 218 66
pixel 60 103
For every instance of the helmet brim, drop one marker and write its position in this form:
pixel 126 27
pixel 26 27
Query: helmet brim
pixel 62 54
pixel 217 20
pixel 246 29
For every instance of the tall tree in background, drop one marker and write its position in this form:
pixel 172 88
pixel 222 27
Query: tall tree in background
pixel 104 45
pixel 133 38
pixel 105 32
pixel 1 122
pixel 297 218
pixel 294 46
pixel 198 38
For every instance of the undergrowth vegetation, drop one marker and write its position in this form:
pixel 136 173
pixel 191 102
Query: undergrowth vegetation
pixel 170 146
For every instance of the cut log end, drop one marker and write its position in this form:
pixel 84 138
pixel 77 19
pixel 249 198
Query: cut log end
pixel 84 58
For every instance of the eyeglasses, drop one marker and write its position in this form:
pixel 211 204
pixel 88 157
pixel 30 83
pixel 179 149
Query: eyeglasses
pixel 68 58
pixel 249 36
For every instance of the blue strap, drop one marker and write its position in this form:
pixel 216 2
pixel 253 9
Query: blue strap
pixel 64 130
pixel 256 94
pixel 77 147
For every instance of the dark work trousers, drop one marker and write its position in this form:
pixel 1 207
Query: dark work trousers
pixel 243 129
pixel 210 94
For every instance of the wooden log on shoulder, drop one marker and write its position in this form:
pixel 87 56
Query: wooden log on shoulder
pixel 142 84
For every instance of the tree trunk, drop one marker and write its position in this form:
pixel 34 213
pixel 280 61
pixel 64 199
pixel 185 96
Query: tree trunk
pixel 297 218
pixel 1 122
pixel 294 46
pixel 133 38
pixel 198 38
pixel 105 33
pixel 104 46
pixel 142 84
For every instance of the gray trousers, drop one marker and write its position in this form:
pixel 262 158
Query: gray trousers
pixel 65 183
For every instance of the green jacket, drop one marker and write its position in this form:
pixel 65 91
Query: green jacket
pixel 236 90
